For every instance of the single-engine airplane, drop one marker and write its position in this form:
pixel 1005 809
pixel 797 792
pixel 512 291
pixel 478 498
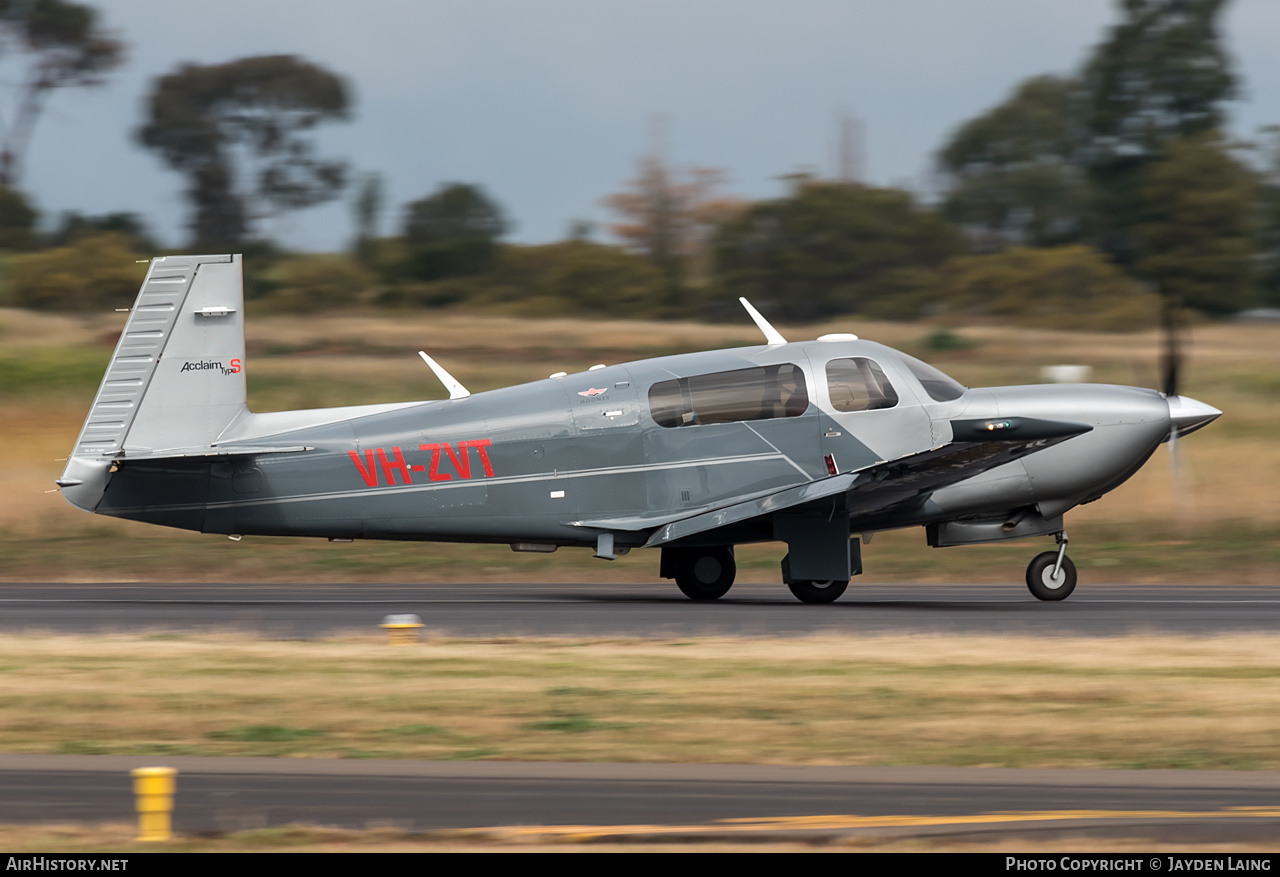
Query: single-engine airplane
pixel 809 443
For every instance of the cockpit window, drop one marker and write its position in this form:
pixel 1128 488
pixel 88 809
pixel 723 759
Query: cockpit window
pixel 727 397
pixel 939 387
pixel 858 384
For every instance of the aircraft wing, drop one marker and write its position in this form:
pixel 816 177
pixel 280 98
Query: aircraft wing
pixel 976 446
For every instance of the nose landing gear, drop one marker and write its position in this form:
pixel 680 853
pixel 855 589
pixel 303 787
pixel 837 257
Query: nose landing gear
pixel 1051 575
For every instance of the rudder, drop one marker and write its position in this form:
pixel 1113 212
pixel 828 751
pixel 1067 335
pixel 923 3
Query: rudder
pixel 176 380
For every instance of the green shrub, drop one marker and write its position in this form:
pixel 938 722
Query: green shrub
pixel 575 278
pixel 95 273
pixel 1072 287
pixel 944 340
pixel 302 284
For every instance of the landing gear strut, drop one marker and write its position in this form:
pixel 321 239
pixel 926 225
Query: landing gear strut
pixel 1051 575
pixel 701 573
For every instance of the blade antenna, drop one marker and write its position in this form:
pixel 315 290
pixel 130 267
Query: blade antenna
pixel 456 390
pixel 772 335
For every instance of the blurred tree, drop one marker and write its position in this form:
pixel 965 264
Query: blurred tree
pixel 1161 75
pixel 240 131
pixel 1195 237
pixel 367 207
pixel 1012 175
pixel 832 248
pixel 453 232
pixel 1269 217
pixel 668 217
pixel 61 45
pixel 77 225
pixel 17 220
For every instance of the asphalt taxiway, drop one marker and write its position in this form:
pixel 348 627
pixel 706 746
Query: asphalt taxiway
pixel 647 610
pixel 609 801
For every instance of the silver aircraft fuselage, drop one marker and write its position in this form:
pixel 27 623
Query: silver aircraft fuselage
pixel 531 463
pixel 804 443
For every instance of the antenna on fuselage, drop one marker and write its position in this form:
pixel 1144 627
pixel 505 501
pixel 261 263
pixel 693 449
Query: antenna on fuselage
pixel 772 335
pixel 456 390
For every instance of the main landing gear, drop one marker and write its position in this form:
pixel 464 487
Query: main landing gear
pixel 1051 575
pixel 818 592
pixel 700 573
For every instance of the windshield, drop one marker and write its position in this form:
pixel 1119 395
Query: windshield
pixel 939 387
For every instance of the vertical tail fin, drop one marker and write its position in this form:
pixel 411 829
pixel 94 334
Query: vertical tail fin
pixel 176 379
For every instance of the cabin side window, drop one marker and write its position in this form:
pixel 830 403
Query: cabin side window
pixel 939 386
pixel 760 393
pixel 858 384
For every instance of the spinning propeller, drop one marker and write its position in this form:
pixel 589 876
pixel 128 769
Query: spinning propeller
pixel 1186 415
pixel 1171 322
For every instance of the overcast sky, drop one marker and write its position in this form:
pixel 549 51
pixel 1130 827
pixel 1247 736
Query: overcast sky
pixel 547 104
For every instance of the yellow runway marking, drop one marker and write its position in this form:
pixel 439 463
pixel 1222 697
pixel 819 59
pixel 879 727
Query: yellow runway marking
pixel 793 823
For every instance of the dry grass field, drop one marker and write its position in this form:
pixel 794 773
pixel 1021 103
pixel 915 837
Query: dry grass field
pixel 1219 520
pixel 1119 702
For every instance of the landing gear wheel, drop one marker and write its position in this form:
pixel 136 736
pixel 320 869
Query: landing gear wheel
pixel 818 592
pixel 706 574
pixel 1042 582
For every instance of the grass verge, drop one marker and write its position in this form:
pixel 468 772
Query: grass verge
pixel 72 839
pixel 1127 702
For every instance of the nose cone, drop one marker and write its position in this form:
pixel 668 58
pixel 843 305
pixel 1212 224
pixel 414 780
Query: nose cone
pixel 1187 415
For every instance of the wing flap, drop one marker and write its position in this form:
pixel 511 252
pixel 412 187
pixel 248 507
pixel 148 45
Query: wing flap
pixel 979 445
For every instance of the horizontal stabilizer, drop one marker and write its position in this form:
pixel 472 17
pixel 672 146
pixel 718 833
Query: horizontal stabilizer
pixel 214 451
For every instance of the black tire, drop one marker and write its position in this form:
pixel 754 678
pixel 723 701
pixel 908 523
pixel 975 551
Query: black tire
pixel 1040 577
pixel 818 592
pixel 706 573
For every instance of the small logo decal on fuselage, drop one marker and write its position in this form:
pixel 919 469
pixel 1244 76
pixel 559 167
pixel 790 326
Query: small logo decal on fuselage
pixel 207 365
pixel 593 391
pixel 391 463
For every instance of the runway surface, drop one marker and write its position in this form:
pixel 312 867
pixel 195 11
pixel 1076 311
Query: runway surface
pixel 605 801
pixel 649 610
pixel 655 800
